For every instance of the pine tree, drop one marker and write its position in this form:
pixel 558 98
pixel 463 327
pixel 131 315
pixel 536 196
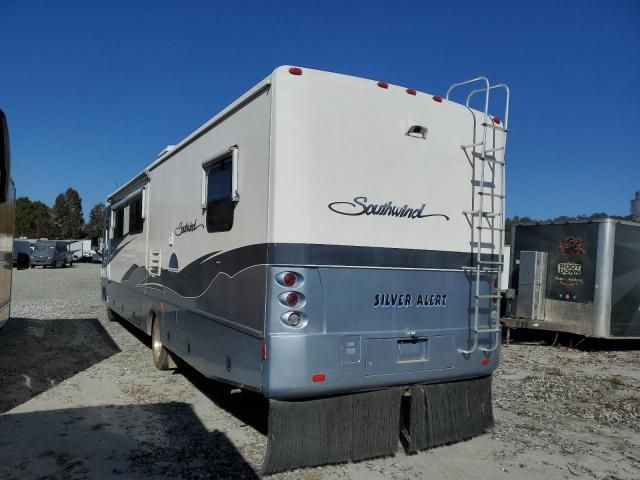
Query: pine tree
pixel 67 215
pixel 95 227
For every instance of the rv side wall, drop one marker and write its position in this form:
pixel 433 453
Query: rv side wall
pixel 203 286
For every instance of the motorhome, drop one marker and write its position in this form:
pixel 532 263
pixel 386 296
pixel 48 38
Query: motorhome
pixel 335 244
pixel 7 221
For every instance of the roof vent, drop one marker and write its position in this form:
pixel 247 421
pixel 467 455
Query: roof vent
pixel 166 149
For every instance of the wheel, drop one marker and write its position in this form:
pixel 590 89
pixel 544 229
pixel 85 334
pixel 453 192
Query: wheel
pixel 160 354
pixel 64 264
pixel 111 315
pixel 33 266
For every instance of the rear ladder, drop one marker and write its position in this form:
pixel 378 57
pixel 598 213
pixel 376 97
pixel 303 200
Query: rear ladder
pixel 486 217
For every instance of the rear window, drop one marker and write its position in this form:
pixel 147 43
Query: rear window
pixel 118 227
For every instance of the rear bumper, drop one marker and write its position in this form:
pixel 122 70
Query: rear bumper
pixel 42 263
pixel 294 362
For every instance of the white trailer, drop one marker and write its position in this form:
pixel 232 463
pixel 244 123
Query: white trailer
pixel 334 243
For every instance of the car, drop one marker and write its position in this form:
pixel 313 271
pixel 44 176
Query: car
pixel 21 253
pixel 50 253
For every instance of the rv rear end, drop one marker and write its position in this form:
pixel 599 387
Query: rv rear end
pixel 368 242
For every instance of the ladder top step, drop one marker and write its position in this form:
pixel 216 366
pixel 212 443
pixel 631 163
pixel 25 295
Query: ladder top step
pixel 495 127
pixel 489 194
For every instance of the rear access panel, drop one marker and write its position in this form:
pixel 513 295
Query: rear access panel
pixel 386 356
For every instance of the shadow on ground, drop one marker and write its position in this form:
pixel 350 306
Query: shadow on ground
pixel 36 355
pixel 250 408
pixel 164 440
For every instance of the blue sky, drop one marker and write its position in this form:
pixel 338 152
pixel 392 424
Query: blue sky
pixel 93 90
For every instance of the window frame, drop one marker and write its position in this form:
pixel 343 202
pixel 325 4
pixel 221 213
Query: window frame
pixel 219 159
pixel 130 205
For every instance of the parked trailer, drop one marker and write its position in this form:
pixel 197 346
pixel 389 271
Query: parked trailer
pixel 581 277
pixel 319 242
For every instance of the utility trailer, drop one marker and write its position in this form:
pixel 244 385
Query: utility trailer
pixel 335 244
pixel 580 277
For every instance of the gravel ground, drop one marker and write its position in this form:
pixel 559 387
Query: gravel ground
pixel 80 399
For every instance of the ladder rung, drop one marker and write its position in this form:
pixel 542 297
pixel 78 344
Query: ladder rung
pixel 495 127
pixel 492 150
pixel 489 262
pixel 488 296
pixel 476 213
pixel 480 227
pixel 490 194
pixel 487 330
pixel 487 158
pixel 471 145
pixel 473 269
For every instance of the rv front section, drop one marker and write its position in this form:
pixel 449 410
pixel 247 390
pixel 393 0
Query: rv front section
pixel 312 240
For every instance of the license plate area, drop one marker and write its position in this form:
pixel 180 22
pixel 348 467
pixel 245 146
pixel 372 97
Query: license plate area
pixel 412 350
pixel 384 356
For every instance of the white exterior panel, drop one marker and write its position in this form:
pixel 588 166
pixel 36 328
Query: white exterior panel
pixel 338 137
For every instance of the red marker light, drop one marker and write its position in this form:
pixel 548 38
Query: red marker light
pixel 383 84
pixel 318 377
pixel 295 71
pixel 485 361
pixel 436 98
pixel 496 120
pixel 411 91
pixel 263 352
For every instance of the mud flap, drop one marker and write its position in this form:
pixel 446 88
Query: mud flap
pixel 332 430
pixel 443 413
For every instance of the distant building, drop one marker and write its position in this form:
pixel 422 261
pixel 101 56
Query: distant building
pixel 635 206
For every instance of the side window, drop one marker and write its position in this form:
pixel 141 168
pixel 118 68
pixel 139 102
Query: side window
pixel 220 206
pixel 136 221
pixel 118 228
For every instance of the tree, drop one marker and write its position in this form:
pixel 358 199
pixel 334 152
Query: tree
pixel 95 227
pixel 33 219
pixel 67 214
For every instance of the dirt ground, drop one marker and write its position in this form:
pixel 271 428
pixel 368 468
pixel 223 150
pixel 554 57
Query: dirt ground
pixel 80 399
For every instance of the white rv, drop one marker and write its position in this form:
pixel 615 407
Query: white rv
pixel 334 243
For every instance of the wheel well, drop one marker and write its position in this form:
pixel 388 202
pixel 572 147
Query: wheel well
pixel 151 316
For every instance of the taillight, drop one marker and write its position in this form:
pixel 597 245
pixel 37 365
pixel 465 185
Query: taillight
pixel 289 279
pixel 318 377
pixel 292 299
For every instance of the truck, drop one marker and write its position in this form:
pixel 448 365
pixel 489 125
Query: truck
pixel 335 244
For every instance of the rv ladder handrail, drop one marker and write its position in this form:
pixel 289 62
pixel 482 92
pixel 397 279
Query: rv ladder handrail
pixel 487 206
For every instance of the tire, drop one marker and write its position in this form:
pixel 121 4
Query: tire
pixel 159 353
pixel 111 315
pixel 64 264
pixel 33 266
